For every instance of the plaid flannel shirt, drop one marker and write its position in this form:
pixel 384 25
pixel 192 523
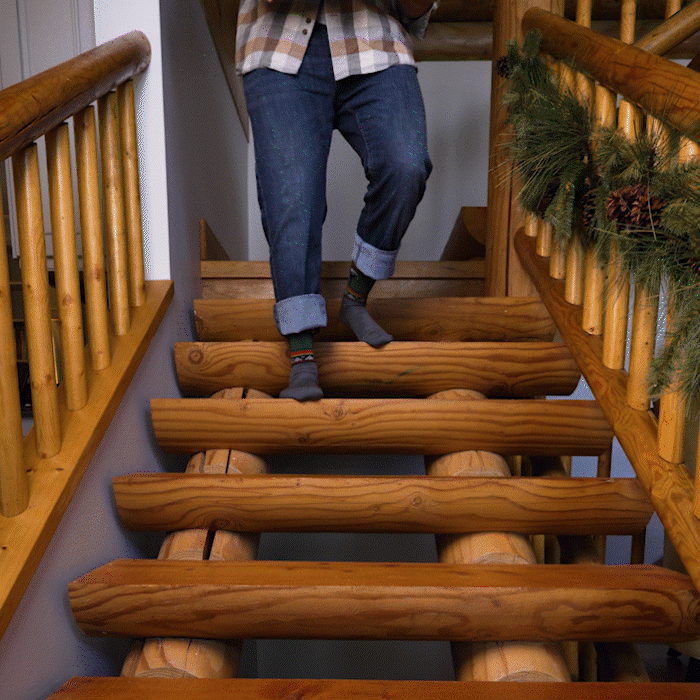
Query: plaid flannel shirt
pixel 364 37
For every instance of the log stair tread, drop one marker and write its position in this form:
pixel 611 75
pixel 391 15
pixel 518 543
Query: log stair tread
pixel 298 503
pixel 372 426
pixel 322 600
pixel 417 319
pixel 398 369
pixel 274 689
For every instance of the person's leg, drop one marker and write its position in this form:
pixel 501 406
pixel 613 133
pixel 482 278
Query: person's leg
pixel 382 117
pixel 292 121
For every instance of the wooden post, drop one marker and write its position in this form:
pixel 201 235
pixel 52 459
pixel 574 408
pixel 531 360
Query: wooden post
pixel 200 658
pixel 65 257
pixel 97 317
pixel 115 225
pixel 37 312
pixel 504 275
pixel 617 300
pixel 132 193
pixel 492 661
pixel 672 408
pixel 14 489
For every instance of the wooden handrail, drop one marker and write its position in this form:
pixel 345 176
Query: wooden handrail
pixel 31 108
pixel 39 474
pixel 641 77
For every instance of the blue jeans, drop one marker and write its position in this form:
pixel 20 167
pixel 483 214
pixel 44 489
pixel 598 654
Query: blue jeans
pixel 382 117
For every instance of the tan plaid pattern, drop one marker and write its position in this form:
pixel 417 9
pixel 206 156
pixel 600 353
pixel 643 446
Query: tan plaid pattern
pixel 363 37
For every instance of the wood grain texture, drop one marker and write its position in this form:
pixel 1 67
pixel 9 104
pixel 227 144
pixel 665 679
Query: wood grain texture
pixel 199 658
pixel 274 689
pixel 65 256
pixel 322 600
pixel 669 486
pixel 114 216
pixel 381 504
pixel 503 660
pixel 35 295
pixel 40 103
pixel 132 193
pixel 658 86
pixel 14 489
pixel 372 426
pixel 444 319
pixel 397 369
pixel 53 481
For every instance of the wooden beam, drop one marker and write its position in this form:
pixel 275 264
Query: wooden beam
pixel 344 600
pixel 658 86
pixel 387 426
pixel 272 689
pixel 669 486
pixel 52 481
pixel 295 503
pixel 251 280
pixel 453 319
pixel 397 369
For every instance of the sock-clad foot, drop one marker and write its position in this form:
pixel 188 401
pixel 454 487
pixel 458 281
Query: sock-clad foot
pixel 303 376
pixel 354 314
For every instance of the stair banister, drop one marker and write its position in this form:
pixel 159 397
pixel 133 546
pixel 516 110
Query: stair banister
pixel 40 472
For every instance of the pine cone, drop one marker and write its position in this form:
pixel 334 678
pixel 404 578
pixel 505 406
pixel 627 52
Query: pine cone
pixel 631 206
pixel 502 67
pixel 547 197
pixel 587 205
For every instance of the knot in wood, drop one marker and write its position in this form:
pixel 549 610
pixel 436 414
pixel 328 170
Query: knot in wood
pixel 196 356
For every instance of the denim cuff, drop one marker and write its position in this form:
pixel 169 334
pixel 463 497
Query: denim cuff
pixel 375 263
pixel 301 313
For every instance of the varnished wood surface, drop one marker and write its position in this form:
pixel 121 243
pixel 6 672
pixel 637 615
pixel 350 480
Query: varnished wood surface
pixel 658 86
pixel 440 319
pixel 482 10
pixel 251 279
pixel 344 600
pixel 397 369
pixel 339 269
pixel 669 486
pixel 371 426
pixel 38 104
pixel 53 481
pixel 381 504
pixel 274 689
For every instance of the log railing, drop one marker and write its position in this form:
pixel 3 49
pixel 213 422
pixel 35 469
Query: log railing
pixel 594 319
pixel 39 472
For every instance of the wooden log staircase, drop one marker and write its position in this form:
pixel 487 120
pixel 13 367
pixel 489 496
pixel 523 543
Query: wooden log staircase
pixel 520 587
pixel 509 614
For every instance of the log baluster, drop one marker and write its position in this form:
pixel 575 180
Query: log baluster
pixel 618 287
pixel 14 490
pixel 132 193
pixel 97 316
pixel 115 224
pixel 65 257
pixel 492 661
pixel 672 406
pixel 37 311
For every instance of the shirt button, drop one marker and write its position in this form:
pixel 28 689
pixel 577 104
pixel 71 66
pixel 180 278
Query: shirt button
pixel 304 31
pixel 308 20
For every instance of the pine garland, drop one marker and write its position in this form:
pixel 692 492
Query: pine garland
pixel 628 191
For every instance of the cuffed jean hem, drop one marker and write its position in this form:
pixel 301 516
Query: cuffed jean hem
pixel 300 313
pixel 375 263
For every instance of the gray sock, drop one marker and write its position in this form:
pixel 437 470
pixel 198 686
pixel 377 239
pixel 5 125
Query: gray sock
pixel 303 382
pixel 355 316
